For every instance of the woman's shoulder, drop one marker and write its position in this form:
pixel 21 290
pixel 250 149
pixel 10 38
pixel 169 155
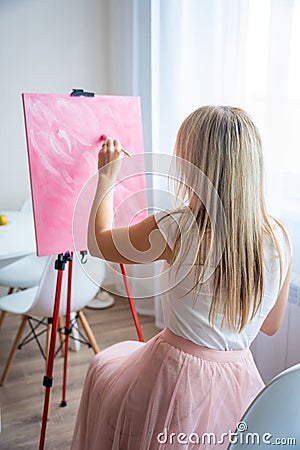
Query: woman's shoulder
pixel 166 217
pixel 168 221
pixel 171 212
pixel 281 233
pixel 284 243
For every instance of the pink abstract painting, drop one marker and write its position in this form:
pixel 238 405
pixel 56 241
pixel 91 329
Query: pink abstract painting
pixel 63 140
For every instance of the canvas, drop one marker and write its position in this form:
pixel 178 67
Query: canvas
pixel 63 141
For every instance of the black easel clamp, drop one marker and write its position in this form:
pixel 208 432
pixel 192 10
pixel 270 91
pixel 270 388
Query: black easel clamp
pixel 79 92
pixel 61 261
pixel 68 331
pixel 47 382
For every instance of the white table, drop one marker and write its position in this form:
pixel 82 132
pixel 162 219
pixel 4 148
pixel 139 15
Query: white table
pixel 17 237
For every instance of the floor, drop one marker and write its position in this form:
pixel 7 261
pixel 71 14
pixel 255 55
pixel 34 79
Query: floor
pixel 22 397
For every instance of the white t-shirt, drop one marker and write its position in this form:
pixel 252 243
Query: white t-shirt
pixel 189 319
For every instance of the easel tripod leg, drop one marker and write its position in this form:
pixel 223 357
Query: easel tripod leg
pixel 49 375
pixel 131 303
pixel 67 331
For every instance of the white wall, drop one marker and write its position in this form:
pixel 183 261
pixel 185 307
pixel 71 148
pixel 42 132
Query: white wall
pixel 45 46
pixel 54 46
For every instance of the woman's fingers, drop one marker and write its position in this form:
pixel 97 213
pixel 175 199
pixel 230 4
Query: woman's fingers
pixel 110 145
pixel 117 144
pixel 110 151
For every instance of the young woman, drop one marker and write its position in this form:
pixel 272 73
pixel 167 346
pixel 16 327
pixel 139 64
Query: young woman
pixel 229 267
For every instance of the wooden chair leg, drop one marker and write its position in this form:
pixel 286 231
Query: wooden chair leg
pixel 3 314
pixel 13 350
pixel 88 332
pixel 75 332
pixel 61 336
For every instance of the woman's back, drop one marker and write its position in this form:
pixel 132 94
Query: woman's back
pixel 189 317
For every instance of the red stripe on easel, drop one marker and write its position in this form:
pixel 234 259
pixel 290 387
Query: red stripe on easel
pixel 132 305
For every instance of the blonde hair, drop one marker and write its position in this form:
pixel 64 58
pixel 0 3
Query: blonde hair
pixel 225 145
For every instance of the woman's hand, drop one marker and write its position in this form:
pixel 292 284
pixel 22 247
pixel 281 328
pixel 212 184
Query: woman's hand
pixel 110 159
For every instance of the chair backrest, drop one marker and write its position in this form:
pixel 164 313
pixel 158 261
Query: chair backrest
pixel 84 288
pixel 274 414
pixel 23 273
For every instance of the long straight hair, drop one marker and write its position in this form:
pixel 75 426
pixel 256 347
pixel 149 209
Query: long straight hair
pixel 225 145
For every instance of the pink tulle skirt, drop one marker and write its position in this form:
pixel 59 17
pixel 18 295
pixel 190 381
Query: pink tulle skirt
pixel 167 393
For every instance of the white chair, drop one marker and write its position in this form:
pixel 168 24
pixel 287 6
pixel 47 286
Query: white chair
pixel 25 272
pixel 274 414
pixel 39 301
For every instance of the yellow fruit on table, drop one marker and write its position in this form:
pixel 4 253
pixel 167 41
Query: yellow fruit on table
pixel 3 219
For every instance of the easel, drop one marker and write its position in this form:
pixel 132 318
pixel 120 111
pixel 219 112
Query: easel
pixel 60 264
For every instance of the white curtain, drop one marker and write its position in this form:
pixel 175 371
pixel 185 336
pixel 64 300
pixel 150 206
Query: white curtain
pixel 180 54
pixel 130 71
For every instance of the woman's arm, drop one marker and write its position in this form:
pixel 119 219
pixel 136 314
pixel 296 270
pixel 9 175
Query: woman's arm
pixel 137 244
pixel 273 320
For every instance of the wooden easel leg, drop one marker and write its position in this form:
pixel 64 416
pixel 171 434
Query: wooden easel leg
pixel 88 332
pixel 13 350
